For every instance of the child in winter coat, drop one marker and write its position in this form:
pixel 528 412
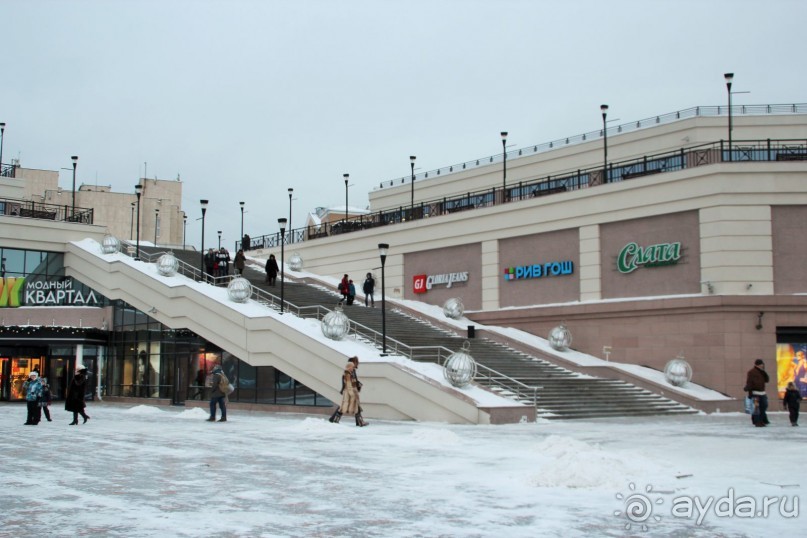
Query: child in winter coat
pixel 46 398
pixel 792 402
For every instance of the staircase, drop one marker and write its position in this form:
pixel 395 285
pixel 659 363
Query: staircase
pixel 557 393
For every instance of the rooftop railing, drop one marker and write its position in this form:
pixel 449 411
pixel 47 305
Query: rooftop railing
pixel 39 210
pixel 569 180
pixel 698 111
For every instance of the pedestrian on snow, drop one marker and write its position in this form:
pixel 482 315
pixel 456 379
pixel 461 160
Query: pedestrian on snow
pixel 74 400
pixel 792 402
pixel 33 396
pixel 368 287
pixel 755 386
pixel 245 243
pixel 344 288
pixel 217 395
pixel 223 259
pixel 240 261
pixel 351 386
pixel 47 398
pixel 271 270
pixel 351 292
pixel 210 263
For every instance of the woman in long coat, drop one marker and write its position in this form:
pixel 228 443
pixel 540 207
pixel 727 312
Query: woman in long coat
pixel 271 270
pixel 351 386
pixel 74 400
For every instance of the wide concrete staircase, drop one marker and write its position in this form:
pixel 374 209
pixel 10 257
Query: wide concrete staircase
pixel 556 392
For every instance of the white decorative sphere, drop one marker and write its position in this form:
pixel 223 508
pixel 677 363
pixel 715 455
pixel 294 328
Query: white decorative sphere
pixel 295 262
pixel 110 244
pixel 560 338
pixel 239 290
pixel 453 308
pixel 460 368
pixel 678 372
pixel 335 325
pixel 167 264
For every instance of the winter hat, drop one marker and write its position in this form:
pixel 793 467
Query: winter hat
pixel 758 362
pixel 34 374
pixel 81 368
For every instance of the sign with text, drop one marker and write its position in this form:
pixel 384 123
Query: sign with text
pixel 16 291
pixel 538 270
pixel 632 256
pixel 423 283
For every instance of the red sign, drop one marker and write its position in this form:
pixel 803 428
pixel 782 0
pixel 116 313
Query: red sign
pixel 420 284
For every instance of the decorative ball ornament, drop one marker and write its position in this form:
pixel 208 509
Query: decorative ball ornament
pixel 239 290
pixel 460 368
pixel 678 372
pixel 453 308
pixel 167 264
pixel 335 324
pixel 110 244
pixel 560 338
pixel 295 262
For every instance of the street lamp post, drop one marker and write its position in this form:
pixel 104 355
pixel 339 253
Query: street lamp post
pixel 347 177
pixel 282 223
pixel 291 233
pixel 604 109
pixel 203 203
pixel 184 229
pixel 2 130
pixel 75 163
pixel 504 166
pixel 382 251
pixel 131 225
pixel 138 192
pixel 242 219
pixel 156 221
pixel 729 78
pixel 412 182
pixel 219 247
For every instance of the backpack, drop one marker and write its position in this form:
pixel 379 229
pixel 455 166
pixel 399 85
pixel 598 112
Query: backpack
pixel 224 385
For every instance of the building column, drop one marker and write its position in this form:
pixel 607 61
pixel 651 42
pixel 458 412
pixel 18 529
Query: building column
pixel 590 270
pixel 491 279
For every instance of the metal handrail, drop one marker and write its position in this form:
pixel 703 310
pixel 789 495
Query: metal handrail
pixel 562 181
pixel 16 207
pixel 437 354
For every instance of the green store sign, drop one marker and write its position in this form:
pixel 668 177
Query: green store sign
pixel 632 256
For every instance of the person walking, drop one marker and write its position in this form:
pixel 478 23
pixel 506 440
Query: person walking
pixel 755 387
pixel 240 261
pixel 351 386
pixel 74 400
pixel 368 288
pixel 351 292
pixel 271 270
pixel 210 264
pixel 343 288
pixel 223 259
pixel 47 398
pixel 33 396
pixel 792 402
pixel 218 396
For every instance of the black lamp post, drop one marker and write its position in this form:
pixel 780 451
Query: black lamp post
pixel 219 247
pixel 138 192
pixel 382 251
pixel 291 233
pixel 347 177
pixel 412 182
pixel 203 203
pixel 75 163
pixel 131 225
pixel 156 221
pixel 729 78
pixel 504 166
pixel 242 219
pixel 282 223
pixel 184 229
pixel 604 109
pixel 2 130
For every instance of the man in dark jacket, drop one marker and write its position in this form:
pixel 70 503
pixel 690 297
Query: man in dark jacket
pixel 755 386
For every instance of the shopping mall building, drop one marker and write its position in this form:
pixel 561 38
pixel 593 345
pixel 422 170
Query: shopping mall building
pixel 678 244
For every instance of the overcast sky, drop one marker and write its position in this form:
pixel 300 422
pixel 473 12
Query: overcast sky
pixel 244 99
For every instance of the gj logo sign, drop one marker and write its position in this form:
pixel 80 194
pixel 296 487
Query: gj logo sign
pixel 420 284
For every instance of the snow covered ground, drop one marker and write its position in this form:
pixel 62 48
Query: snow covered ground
pixel 142 471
